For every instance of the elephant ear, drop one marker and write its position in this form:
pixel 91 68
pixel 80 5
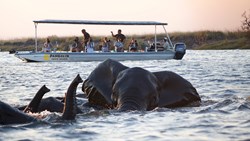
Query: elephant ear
pixel 175 90
pixel 98 85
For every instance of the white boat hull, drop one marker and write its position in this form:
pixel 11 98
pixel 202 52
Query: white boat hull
pixel 97 56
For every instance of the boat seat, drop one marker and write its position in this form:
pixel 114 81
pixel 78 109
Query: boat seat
pixel 159 48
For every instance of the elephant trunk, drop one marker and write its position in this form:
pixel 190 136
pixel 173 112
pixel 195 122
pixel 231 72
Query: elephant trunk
pixel 70 109
pixel 131 105
pixel 34 104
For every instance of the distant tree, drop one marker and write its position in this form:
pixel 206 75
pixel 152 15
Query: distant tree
pixel 246 22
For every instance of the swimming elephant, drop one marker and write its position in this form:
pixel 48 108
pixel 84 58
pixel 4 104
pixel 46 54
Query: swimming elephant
pixel 51 104
pixel 10 115
pixel 113 85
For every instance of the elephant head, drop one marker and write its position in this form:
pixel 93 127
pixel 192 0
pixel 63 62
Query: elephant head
pixel 135 89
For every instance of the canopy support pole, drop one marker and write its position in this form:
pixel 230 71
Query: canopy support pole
pixel 168 37
pixel 36 36
pixel 155 40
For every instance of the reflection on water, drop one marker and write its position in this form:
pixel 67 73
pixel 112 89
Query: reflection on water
pixel 222 79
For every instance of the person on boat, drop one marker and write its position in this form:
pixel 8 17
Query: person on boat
pixel 119 45
pixel 86 37
pixel 77 46
pixel 119 35
pixel 119 40
pixel 105 44
pixel 47 46
pixel 133 45
pixel 89 46
pixel 166 45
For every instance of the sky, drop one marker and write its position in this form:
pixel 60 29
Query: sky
pixel 181 15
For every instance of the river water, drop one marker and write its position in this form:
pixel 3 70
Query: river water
pixel 222 78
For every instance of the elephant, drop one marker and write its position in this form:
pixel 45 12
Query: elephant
pixel 11 115
pixel 51 104
pixel 115 86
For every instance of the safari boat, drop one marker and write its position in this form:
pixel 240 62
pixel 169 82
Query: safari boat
pixel 152 53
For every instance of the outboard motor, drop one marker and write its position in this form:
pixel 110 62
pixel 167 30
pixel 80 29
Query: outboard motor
pixel 180 50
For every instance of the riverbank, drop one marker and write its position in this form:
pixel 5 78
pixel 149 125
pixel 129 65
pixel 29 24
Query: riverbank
pixel 200 40
pixel 214 40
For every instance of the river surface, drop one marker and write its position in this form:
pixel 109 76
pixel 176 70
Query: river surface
pixel 222 78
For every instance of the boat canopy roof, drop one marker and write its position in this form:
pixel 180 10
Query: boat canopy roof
pixel 91 22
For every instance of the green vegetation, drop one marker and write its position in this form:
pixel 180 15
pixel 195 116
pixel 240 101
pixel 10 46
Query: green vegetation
pixel 193 40
pixel 241 43
pixel 212 39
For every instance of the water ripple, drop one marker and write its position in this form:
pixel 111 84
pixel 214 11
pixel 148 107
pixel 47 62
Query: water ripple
pixel 222 78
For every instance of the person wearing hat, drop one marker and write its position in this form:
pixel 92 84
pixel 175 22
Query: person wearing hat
pixel 166 45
